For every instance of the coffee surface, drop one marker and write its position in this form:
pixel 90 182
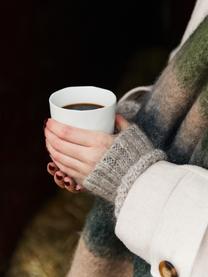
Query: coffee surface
pixel 83 106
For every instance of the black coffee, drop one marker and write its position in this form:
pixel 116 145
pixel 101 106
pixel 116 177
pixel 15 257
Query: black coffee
pixel 83 106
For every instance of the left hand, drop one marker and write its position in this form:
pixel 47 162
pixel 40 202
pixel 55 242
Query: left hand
pixel 76 151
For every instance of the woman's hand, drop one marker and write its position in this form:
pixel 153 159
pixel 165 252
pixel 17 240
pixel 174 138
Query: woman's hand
pixel 62 180
pixel 74 151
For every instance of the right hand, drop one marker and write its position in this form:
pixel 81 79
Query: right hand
pixel 62 180
pixel 56 169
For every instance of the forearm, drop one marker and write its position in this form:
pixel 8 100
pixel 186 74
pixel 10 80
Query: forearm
pixel 131 146
pixel 164 211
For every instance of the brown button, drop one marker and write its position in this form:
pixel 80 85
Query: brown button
pixel 167 269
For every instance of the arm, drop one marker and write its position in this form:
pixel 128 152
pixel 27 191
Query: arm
pixel 161 208
pixel 165 217
pixel 156 203
pixel 130 103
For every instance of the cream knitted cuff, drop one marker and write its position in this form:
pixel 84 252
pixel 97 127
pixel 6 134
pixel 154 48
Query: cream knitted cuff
pixel 128 147
pixel 133 173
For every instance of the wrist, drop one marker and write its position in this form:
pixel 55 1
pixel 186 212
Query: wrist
pixel 127 148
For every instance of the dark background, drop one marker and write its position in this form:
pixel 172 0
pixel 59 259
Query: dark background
pixel 47 45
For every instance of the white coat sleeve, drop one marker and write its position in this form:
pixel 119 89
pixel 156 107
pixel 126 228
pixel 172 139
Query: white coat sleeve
pixel 165 216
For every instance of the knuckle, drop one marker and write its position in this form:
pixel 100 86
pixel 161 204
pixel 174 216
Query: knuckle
pixel 82 170
pixel 69 172
pixel 63 169
pixel 56 144
pixel 56 156
pixel 78 153
pixel 105 141
pixel 94 158
pixel 92 163
pixel 88 169
pixel 64 132
pixel 101 139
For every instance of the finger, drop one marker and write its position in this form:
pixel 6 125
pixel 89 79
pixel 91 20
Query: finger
pixel 59 179
pixel 70 184
pixel 76 186
pixel 86 155
pixel 72 134
pixel 70 149
pixel 121 123
pixel 52 168
pixel 80 188
pixel 67 161
pixel 70 172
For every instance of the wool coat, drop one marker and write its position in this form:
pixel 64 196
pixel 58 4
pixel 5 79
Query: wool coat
pixel 163 219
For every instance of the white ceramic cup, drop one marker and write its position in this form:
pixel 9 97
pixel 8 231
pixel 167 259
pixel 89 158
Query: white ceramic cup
pixel 101 119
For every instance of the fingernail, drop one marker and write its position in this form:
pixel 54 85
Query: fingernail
pixel 52 168
pixel 59 177
pixel 67 184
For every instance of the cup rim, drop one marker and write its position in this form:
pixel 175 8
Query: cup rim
pixel 78 111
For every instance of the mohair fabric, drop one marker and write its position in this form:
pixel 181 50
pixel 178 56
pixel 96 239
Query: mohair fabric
pixel 94 265
pixel 174 117
pixel 100 246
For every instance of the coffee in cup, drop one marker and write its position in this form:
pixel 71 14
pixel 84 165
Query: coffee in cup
pixel 84 107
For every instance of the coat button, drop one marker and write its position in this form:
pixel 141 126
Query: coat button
pixel 167 269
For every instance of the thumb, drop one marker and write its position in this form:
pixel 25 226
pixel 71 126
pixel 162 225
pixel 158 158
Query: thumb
pixel 121 123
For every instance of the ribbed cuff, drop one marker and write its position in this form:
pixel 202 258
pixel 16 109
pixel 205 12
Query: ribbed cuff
pixel 133 173
pixel 128 147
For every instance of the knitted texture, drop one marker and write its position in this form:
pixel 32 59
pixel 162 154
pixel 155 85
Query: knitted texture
pixel 133 173
pixel 179 90
pixel 174 117
pixel 200 154
pixel 129 146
